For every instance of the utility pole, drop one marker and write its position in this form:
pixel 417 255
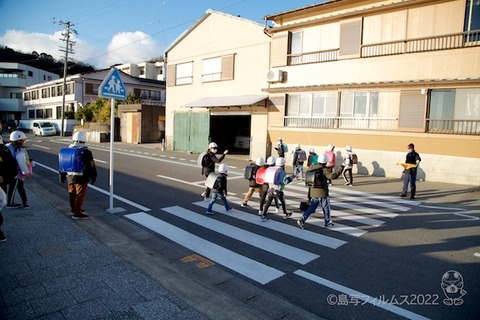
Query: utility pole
pixel 67 49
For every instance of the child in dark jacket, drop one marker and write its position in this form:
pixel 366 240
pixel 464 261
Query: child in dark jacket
pixel 220 189
pixel 319 193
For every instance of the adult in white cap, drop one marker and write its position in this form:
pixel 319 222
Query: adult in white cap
pixel 208 164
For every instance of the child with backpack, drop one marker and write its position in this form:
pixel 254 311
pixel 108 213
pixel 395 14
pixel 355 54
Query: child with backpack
pixel 319 190
pixel 350 160
pixel 24 165
pixel 278 177
pixel 250 175
pixel 219 189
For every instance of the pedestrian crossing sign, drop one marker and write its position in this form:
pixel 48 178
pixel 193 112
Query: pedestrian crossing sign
pixel 112 86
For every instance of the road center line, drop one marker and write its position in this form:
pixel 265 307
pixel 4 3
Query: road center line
pixel 41 147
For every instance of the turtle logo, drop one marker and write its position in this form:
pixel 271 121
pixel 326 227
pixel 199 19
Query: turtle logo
pixel 452 286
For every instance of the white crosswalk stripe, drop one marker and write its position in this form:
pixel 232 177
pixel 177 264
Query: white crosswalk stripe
pixel 360 215
pixel 248 267
pixel 264 243
pixel 283 228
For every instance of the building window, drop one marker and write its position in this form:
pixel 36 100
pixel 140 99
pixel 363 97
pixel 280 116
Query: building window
pixel 59 112
pixel 212 69
pixel 184 73
pixel 357 110
pixel 30 73
pixel 472 19
pixel 48 113
pixel 455 111
pixel 31 113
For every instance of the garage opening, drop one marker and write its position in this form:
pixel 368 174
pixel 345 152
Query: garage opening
pixel 232 132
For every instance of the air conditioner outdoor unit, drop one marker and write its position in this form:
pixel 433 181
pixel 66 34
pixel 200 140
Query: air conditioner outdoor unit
pixel 275 75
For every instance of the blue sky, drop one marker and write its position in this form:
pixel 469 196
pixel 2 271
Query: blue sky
pixel 117 31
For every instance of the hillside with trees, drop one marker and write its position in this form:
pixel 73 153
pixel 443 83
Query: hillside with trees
pixel 43 61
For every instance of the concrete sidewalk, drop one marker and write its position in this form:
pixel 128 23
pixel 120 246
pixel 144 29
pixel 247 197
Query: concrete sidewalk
pixel 51 268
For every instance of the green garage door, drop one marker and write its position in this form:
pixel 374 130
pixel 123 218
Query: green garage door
pixel 191 131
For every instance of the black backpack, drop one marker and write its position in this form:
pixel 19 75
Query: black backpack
pixel 250 172
pixel 315 178
pixel 8 164
pixel 206 160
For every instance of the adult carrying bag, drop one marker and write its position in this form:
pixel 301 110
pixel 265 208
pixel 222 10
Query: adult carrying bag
pixel 70 160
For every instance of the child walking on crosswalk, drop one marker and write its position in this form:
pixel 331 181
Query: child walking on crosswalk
pixel 319 190
pixel 220 189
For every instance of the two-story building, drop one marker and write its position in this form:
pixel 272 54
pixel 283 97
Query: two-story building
pixel 378 75
pixel 45 100
pixel 14 78
pixel 215 75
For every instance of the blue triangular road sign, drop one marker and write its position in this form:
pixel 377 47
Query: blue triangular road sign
pixel 112 86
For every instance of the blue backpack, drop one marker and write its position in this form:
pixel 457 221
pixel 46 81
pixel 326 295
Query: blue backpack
pixel 70 160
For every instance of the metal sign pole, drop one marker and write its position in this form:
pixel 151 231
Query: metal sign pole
pixel 112 132
pixel 112 87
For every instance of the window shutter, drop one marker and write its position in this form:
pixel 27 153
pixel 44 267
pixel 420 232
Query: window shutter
pixel 228 67
pixel 171 76
pixel 279 49
pixel 350 39
pixel 412 111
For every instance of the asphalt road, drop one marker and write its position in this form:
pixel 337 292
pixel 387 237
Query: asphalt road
pixel 384 259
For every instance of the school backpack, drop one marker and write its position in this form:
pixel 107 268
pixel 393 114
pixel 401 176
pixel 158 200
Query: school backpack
pixel 8 164
pixel 70 160
pixel 260 175
pixel 211 181
pixel 200 159
pixel 285 148
pixel 314 159
pixel 274 175
pixel 315 178
pixel 354 158
pixel 301 155
pixel 250 172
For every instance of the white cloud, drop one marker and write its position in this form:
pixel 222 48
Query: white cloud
pixel 125 47
pixel 131 47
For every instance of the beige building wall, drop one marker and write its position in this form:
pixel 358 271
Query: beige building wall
pixel 216 35
pixel 382 21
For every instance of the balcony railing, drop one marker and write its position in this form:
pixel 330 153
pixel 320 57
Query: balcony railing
pixel 464 127
pixel 346 123
pixel 459 127
pixel 313 57
pixel 443 42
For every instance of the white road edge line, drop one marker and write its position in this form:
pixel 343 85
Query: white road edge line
pixel 467 216
pixel 477 254
pixel 129 202
pixel 361 296
pixel 41 147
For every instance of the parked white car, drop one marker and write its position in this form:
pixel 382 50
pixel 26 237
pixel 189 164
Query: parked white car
pixel 44 128
pixel 242 139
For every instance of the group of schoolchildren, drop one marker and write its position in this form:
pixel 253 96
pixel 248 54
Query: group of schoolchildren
pixel 268 179
pixel 15 167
